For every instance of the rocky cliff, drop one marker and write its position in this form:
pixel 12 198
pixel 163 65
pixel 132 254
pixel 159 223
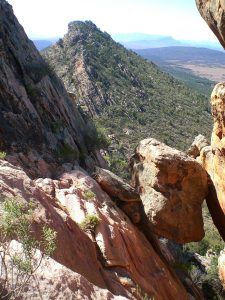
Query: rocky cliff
pixel 36 114
pixel 120 89
pixel 213 157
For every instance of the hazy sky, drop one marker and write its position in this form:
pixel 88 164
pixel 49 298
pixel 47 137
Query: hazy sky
pixel 177 18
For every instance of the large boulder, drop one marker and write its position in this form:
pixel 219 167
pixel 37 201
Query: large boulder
pixel 212 12
pixel 172 186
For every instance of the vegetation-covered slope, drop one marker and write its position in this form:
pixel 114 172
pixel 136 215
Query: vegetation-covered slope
pixel 125 93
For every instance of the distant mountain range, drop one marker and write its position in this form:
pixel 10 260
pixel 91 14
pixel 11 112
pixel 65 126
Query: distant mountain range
pixel 185 55
pixel 143 41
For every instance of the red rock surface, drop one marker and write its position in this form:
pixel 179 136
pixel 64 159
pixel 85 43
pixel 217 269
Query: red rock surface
pixel 116 256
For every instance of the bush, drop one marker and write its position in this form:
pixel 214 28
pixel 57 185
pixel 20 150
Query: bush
pixel 67 153
pixel 18 265
pixel 90 223
pixel 2 155
pixel 88 195
pixel 96 137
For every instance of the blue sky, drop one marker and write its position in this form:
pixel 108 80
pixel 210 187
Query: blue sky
pixel 177 18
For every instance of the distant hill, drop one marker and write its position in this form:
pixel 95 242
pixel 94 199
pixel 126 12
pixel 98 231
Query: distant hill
pixel 124 93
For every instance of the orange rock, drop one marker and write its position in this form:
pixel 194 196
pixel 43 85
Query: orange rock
pixel 172 187
pixel 221 267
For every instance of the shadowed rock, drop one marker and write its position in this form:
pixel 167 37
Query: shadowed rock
pixel 36 113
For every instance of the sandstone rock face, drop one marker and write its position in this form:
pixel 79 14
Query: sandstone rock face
pixel 172 186
pixel 114 255
pixel 36 112
pixel 218 141
pixel 213 12
pixel 221 267
pixel 212 159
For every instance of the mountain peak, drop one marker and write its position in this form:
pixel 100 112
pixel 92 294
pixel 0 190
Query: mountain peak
pixel 112 84
pixel 83 26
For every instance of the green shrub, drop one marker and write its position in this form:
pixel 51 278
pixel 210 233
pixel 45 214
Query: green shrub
pixel 96 137
pixel 19 265
pixel 88 195
pixel 90 223
pixel 2 155
pixel 117 164
pixel 67 153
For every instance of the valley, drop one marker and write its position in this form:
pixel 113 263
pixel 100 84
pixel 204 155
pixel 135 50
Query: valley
pixel 200 68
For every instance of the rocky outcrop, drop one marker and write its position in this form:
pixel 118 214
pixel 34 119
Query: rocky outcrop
pixel 36 112
pixel 218 142
pixel 212 158
pixel 117 255
pixel 199 143
pixel 221 267
pixel 213 13
pixel 172 187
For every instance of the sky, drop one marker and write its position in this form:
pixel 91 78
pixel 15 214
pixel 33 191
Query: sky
pixel 177 18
